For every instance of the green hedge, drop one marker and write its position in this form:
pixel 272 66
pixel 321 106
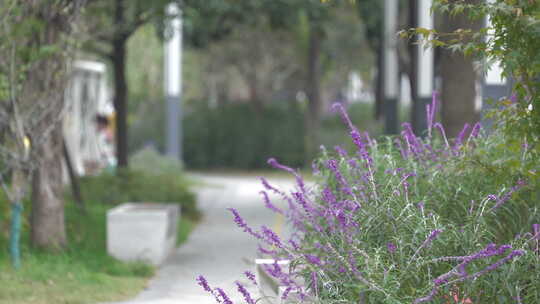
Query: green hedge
pixel 139 186
pixel 234 136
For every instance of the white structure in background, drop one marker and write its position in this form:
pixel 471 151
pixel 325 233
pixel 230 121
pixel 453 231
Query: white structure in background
pixel 405 98
pixel 494 75
pixel 391 69
pixel 494 85
pixel 173 83
pixel 424 69
pixel 425 53
pixel 86 98
pixel 357 91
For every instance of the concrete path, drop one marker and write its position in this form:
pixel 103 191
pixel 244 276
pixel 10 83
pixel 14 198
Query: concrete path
pixel 217 248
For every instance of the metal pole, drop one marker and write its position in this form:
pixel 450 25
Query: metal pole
pixel 173 84
pixel 391 68
pixel 424 68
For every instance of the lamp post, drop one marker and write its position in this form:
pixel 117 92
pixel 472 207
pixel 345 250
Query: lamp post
pixel 173 83
pixel 424 69
pixel 391 68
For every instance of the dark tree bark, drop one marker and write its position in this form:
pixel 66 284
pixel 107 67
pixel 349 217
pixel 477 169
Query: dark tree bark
pixel 379 84
pixel 118 59
pixel 313 91
pixel 458 90
pixel 44 86
pixel 73 178
pixel 47 220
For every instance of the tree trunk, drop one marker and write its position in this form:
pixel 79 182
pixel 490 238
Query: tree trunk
pixel 458 92
pixel 379 85
pixel 45 86
pixel 73 178
pixel 118 58
pixel 120 100
pixel 313 114
pixel 47 229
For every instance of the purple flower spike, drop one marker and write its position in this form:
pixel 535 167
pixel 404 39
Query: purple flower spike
pixel 391 247
pixel 506 197
pixel 338 107
pixel 315 282
pixel 443 133
pixel 328 196
pixel 264 251
pixel 274 163
pixel 431 111
pixel 286 293
pixel 250 277
pixel 203 283
pixel 536 230
pixel 432 236
pixel 459 139
pixel 340 151
pixel 294 244
pixel 245 293
pixel 269 204
pixel 312 259
pixel 224 298
pixel 242 224
pixel 332 164
pixel 271 237
pixel 491 197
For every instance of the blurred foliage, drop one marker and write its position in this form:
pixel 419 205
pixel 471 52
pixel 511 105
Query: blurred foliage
pixel 224 70
pixel 144 70
pixel 139 186
pixel 512 39
pixel 234 136
pixel 150 161
pixel 371 13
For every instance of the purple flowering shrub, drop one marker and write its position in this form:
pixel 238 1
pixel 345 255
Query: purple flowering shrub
pixel 402 221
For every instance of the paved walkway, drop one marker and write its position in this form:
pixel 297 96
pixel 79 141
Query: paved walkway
pixel 217 248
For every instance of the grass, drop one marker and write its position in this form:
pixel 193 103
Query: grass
pixel 48 279
pixel 83 273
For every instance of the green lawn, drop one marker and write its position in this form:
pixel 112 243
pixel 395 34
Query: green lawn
pixel 84 273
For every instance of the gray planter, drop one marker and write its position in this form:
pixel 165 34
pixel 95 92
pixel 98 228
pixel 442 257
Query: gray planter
pixel 142 231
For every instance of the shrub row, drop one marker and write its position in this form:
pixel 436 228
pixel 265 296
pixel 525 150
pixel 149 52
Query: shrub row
pixel 234 136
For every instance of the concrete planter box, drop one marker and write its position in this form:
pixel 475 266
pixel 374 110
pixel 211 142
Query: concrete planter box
pixel 142 231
